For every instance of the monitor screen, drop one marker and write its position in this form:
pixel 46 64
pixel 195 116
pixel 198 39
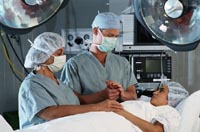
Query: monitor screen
pixel 142 36
pixel 154 66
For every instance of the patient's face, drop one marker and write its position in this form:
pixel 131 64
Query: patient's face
pixel 160 96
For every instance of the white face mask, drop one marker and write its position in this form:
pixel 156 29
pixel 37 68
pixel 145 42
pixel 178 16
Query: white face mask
pixel 58 63
pixel 107 44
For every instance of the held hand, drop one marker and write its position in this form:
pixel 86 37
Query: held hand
pixel 112 92
pixel 109 105
pixel 116 86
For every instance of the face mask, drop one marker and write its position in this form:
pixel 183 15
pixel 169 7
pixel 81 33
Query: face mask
pixel 58 63
pixel 107 44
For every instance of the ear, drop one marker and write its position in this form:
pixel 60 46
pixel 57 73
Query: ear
pixel 95 30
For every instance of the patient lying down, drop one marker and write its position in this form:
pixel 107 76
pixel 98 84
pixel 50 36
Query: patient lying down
pixel 153 116
pixel 137 116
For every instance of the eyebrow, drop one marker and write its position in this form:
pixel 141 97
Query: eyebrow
pixel 109 34
pixel 160 89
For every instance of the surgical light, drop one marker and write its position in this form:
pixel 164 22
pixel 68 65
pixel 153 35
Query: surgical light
pixel 21 16
pixel 174 23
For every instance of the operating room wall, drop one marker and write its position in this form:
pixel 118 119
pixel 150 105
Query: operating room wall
pixel 79 14
pixel 193 82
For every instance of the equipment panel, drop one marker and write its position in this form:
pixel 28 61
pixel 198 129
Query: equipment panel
pixel 76 40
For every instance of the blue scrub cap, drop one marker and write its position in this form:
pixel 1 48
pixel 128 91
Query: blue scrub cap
pixel 176 93
pixel 106 20
pixel 43 47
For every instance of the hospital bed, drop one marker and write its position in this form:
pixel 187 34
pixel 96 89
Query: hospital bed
pixel 190 113
pixel 189 109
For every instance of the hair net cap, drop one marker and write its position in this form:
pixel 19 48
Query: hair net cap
pixel 43 47
pixel 106 20
pixel 176 93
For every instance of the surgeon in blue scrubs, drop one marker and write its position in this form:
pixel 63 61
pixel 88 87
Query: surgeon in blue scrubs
pixel 43 97
pixel 98 74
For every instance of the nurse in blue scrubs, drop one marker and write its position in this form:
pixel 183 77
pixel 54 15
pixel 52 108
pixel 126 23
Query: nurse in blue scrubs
pixel 43 97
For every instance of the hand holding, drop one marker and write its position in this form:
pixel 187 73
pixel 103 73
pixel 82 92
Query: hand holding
pixel 112 92
pixel 109 105
pixel 116 86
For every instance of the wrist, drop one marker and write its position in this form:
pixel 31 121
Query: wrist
pixel 127 96
pixel 95 107
pixel 124 96
pixel 103 94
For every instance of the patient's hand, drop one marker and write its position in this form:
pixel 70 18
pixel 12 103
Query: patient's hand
pixel 122 112
pixel 109 105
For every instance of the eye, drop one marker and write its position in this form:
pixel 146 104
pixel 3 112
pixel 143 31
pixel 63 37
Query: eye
pixel 108 35
pixel 161 90
pixel 157 89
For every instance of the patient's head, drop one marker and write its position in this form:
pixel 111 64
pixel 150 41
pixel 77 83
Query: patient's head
pixel 177 93
pixel 160 96
pixel 172 94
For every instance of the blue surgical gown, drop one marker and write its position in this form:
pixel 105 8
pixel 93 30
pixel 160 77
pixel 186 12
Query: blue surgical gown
pixel 38 92
pixel 86 75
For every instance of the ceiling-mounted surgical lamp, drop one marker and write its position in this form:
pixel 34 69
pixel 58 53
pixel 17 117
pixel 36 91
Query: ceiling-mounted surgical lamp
pixel 21 16
pixel 34 2
pixel 173 22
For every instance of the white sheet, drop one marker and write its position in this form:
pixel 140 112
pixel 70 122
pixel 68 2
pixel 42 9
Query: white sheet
pixel 4 126
pixel 190 113
pixel 88 122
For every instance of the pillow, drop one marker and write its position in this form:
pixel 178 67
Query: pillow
pixel 4 126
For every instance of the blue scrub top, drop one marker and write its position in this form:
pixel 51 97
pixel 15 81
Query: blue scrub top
pixel 86 75
pixel 38 92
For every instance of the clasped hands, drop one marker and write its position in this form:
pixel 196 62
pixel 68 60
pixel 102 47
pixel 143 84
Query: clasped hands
pixel 114 90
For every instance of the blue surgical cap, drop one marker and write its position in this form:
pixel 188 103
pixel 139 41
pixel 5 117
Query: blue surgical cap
pixel 42 48
pixel 106 20
pixel 176 93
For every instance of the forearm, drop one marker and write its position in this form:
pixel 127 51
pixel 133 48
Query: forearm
pixel 54 112
pixel 92 98
pixel 129 94
pixel 142 124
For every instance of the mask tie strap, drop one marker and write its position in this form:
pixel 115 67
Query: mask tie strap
pixel 30 42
